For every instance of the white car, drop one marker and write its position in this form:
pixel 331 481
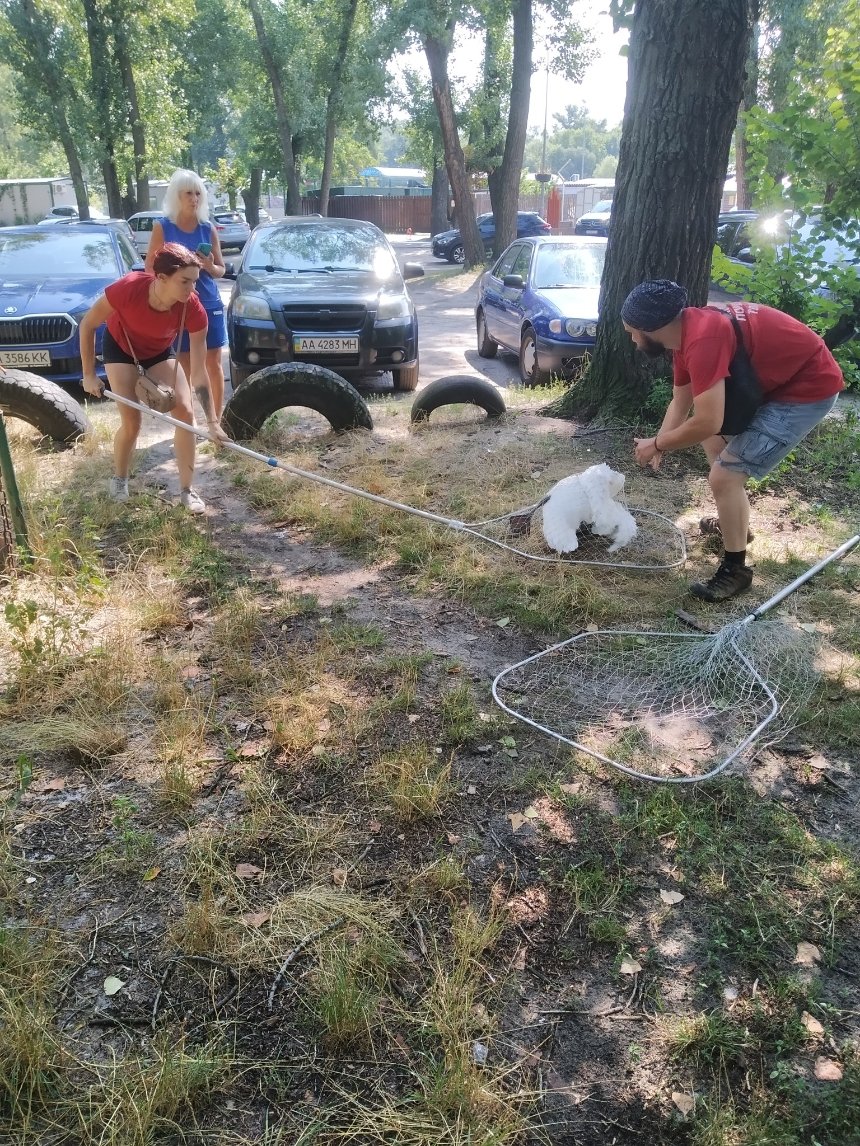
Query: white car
pixel 141 225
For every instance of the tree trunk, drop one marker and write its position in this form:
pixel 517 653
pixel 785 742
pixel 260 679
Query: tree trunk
pixel 743 199
pixel 504 182
pixel 686 75
pixel 100 66
pixel 251 196
pixel 282 117
pixel 439 196
pixel 333 99
pixel 436 51
pixel 135 121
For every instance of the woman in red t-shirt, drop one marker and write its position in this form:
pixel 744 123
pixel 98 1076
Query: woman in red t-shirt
pixel 144 313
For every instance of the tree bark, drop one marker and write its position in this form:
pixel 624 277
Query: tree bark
pixel 439 196
pixel 686 74
pixel 437 50
pixel 743 199
pixel 282 117
pixel 251 196
pixel 504 182
pixel 135 120
pixel 333 99
pixel 100 66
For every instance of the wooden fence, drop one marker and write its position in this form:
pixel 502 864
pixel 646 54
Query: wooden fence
pixel 394 215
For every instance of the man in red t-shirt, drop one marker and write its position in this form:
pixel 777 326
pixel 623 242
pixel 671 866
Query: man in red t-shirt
pixel 799 380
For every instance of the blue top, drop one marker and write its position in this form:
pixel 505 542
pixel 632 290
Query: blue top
pixel 207 291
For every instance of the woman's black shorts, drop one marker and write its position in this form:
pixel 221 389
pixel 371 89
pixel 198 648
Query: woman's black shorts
pixel 113 352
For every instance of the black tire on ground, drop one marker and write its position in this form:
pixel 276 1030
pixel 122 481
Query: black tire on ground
pixel 487 347
pixel 454 389
pixel 405 377
pixel 458 255
pixel 294 384
pixel 42 404
pixel 530 373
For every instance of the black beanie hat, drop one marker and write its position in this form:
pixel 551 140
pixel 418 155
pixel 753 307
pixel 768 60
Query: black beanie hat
pixel 653 304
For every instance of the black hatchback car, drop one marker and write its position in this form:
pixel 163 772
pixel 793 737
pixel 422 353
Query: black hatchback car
pixel 327 291
pixel 448 244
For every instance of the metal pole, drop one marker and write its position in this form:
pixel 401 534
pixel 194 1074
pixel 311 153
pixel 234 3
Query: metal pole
pixel 10 488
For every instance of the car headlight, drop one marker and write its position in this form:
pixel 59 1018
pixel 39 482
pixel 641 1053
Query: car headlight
pixel 251 306
pixel 574 327
pixel 393 306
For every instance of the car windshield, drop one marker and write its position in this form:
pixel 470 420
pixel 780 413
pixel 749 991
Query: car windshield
pixel 600 208
pixel 564 265
pixel 56 251
pixel 322 250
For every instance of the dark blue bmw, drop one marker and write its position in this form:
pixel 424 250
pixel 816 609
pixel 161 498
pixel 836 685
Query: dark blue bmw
pixel 49 278
pixel 540 302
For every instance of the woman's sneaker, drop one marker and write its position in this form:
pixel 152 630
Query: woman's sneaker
pixel 118 488
pixel 710 527
pixel 192 501
pixel 728 581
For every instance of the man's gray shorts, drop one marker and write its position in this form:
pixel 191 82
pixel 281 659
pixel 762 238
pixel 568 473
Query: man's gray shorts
pixel 772 435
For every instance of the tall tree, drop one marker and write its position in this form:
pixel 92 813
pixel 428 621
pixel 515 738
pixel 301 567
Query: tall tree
pixel 275 72
pixel 686 75
pixel 46 87
pixel 345 13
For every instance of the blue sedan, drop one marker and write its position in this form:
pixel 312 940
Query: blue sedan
pixel 540 302
pixel 49 278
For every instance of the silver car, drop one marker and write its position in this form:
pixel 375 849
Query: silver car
pixel 233 230
pixel 141 225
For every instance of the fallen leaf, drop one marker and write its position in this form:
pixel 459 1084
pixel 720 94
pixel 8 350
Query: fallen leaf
pixel 256 918
pixel 827 1070
pixel 820 763
pixel 730 994
pixel 592 628
pixel 374 826
pixel 629 966
pixel 531 812
pixel 807 954
pixel 517 820
pixel 253 748
pixel 811 1024
pixel 318 750
pixel 338 876
pixel 112 984
pixel 324 725
pixel 471 790
pixel 571 789
pixel 508 742
pixel 683 1102
pixel 54 784
pixel 151 873
pixel 502 621
pixel 248 871
pixel 413 718
pixel 453 839
pixel 809 627
pixel 519 960
pixel 670 897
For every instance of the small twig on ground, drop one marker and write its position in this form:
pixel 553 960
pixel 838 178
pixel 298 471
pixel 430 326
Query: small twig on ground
pixel 296 951
pixel 422 945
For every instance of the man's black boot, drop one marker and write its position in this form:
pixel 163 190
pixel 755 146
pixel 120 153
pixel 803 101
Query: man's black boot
pixel 730 579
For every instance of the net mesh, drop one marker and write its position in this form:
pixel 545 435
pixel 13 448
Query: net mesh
pixel 666 705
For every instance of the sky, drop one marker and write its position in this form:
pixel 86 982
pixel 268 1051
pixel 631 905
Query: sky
pixel 603 87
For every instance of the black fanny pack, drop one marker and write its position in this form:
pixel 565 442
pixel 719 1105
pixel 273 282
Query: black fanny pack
pixel 744 394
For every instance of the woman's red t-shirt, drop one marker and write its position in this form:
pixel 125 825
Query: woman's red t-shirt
pixel 790 360
pixel 151 331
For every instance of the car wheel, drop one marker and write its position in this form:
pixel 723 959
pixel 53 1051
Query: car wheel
pixel 458 255
pixel 405 377
pixel 487 347
pixel 294 384
pixel 239 375
pixel 530 372
pixel 42 404
pixel 456 389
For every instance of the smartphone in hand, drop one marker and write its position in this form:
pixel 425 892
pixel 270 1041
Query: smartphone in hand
pixel 204 249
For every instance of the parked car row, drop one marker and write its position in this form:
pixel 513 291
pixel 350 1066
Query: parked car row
pixel 326 291
pixel 448 245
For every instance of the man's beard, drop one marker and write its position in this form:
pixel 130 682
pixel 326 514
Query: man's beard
pixel 651 347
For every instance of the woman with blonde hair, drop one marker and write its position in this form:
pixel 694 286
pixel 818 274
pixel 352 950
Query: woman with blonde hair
pixel 186 221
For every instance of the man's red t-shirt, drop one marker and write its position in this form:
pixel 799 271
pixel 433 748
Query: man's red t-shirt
pixel 151 331
pixel 791 361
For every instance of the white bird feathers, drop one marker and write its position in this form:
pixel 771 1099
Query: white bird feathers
pixel 588 499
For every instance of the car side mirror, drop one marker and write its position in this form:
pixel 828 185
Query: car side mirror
pixel 412 270
pixel 515 281
pixel 229 270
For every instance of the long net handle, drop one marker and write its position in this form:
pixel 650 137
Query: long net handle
pixel 846 547
pixel 276 464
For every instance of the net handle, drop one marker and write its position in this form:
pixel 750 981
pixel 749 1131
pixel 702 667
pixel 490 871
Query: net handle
pixel 846 547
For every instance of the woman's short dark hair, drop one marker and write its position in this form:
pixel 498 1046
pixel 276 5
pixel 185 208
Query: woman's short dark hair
pixel 173 257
